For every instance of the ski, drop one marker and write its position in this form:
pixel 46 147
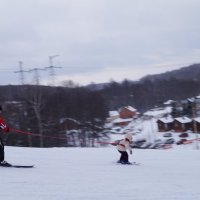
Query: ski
pixel 135 163
pixel 17 166
pixel 22 166
pixel 130 163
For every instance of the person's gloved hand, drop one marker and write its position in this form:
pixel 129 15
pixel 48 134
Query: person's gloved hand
pixel 4 127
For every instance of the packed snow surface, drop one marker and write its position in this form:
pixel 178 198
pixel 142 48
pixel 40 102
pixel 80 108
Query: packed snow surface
pixel 92 174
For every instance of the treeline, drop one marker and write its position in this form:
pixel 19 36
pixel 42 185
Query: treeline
pixel 147 94
pixel 41 110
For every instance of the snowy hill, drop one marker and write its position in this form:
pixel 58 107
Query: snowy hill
pixel 92 174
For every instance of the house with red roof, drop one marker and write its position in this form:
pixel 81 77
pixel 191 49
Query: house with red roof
pixel 127 112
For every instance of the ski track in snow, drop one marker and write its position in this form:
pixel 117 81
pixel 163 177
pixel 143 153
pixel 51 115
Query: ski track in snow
pixel 91 174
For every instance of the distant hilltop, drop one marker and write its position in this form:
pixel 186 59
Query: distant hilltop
pixel 191 72
pixel 188 73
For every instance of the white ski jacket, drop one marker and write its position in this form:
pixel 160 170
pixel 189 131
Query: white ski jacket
pixel 125 143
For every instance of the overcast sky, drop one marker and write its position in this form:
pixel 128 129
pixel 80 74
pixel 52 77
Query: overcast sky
pixel 97 40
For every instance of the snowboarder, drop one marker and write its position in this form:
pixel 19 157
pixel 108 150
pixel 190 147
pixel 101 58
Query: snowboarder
pixel 123 146
pixel 5 129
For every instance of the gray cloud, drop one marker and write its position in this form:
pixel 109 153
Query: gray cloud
pixel 91 36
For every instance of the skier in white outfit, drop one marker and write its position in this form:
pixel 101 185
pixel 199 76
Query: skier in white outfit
pixel 123 146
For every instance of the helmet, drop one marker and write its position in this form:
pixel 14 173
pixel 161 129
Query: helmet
pixel 129 136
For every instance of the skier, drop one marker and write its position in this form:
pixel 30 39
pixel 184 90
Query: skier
pixel 5 129
pixel 123 146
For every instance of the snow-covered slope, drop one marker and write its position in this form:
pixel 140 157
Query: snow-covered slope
pixel 91 174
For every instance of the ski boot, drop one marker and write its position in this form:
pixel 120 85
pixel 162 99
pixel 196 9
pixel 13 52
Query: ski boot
pixel 5 164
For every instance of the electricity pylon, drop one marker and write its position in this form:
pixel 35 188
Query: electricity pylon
pixel 21 71
pixel 36 74
pixel 51 68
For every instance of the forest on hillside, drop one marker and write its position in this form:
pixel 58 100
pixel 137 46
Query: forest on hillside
pixel 43 110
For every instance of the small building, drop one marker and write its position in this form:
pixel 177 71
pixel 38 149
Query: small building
pixel 196 122
pixel 127 112
pixel 182 124
pixel 165 124
pixel 69 124
pixel 158 112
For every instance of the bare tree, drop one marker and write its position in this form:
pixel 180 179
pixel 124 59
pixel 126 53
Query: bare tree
pixel 36 102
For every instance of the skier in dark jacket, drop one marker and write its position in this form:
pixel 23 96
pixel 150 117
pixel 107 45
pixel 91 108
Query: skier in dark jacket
pixel 5 129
